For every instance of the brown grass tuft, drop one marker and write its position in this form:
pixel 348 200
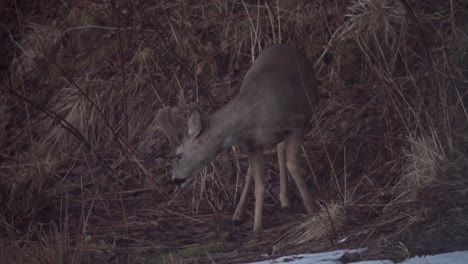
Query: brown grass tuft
pixel 326 223
pixel 424 164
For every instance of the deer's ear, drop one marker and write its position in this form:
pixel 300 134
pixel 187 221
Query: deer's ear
pixel 166 123
pixel 195 123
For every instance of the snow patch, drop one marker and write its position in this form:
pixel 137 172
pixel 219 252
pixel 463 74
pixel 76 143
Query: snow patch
pixel 331 257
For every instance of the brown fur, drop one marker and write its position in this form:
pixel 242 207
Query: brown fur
pixel 275 102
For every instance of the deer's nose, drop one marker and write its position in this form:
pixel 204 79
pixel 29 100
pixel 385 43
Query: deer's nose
pixel 178 181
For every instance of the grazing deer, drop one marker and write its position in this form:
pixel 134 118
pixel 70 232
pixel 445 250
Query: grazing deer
pixel 273 106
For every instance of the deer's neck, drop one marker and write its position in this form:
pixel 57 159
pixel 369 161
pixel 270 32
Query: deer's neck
pixel 228 125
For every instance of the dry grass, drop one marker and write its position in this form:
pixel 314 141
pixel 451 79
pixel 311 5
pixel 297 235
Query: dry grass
pixel 84 167
pixel 327 222
pixel 424 164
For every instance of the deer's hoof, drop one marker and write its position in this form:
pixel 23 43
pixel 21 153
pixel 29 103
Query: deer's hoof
pixel 236 222
pixel 258 230
pixel 285 202
pixel 287 209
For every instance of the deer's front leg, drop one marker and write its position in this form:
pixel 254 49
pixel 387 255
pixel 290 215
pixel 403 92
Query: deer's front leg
pixel 283 194
pixel 258 172
pixel 240 209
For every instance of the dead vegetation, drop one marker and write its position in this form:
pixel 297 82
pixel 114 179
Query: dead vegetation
pixel 84 167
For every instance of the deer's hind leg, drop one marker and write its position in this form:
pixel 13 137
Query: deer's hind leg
pixel 293 146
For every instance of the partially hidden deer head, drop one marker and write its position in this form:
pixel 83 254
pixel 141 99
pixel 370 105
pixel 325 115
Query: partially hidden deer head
pixel 194 150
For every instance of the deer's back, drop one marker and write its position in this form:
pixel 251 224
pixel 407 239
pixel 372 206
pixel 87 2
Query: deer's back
pixel 278 93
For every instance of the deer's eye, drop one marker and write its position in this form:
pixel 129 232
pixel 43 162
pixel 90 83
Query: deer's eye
pixel 178 156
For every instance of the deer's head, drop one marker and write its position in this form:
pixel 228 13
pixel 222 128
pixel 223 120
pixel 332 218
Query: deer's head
pixel 194 150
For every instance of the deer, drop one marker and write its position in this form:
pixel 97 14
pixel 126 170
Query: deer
pixel 275 102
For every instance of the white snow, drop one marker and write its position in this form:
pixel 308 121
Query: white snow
pixel 457 257
pixel 321 258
